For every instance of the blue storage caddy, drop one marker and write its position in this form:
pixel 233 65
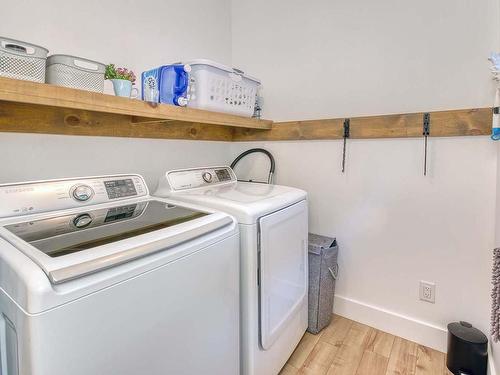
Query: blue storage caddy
pixel 166 84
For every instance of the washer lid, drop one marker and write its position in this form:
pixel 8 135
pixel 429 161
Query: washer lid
pixel 246 201
pixel 76 243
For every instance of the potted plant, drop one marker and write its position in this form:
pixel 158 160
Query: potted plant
pixel 122 79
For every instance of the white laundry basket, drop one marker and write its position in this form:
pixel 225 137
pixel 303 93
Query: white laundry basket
pixel 219 88
pixel 21 60
pixel 75 72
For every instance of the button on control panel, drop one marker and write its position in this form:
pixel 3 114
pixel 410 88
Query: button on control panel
pixel 82 193
pixel 207 177
pixel 82 221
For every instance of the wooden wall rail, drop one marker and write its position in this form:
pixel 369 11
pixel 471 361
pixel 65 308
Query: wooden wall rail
pixel 461 122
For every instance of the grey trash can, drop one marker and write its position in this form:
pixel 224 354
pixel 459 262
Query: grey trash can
pixel 323 271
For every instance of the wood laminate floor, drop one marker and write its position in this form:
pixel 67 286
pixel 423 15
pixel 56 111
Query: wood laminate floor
pixel 347 347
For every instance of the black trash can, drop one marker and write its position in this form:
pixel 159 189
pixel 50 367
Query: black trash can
pixel 467 350
pixel 323 271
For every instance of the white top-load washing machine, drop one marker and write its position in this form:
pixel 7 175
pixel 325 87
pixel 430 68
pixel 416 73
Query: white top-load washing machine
pixel 273 225
pixel 99 278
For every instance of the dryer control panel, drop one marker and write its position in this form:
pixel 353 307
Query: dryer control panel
pixel 197 177
pixel 41 196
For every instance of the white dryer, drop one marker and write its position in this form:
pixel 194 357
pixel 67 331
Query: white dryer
pixel 97 277
pixel 273 223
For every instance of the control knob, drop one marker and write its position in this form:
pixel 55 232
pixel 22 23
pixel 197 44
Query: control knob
pixel 207 177
pixel 83 220
pixel 82 193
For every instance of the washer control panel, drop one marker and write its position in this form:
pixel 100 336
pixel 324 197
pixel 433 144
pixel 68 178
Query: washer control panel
pixel 41 196
pixel 198 177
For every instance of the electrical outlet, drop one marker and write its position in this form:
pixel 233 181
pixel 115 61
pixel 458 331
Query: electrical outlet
pixel 427 291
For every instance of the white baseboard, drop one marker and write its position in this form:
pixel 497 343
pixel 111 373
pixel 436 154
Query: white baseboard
pixel 412 329
pixel 491 362
pixel 491 367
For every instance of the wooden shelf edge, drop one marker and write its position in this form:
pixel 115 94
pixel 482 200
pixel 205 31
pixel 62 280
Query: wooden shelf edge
pixel 21 118
pixel 41 94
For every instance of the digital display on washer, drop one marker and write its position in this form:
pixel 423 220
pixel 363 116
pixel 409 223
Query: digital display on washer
pixel 120 188
pixel 118 213
pixel 223 174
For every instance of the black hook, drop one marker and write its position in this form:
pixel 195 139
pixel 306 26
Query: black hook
pixel 426 132
pixel 347 134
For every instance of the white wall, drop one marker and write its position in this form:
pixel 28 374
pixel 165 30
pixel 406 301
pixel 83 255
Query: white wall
pixel 326 58
pixel 345 58
pixel 34 157
pixel 135 34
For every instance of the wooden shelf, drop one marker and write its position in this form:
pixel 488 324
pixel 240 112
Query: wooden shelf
pixel 40 96
pixel 27 107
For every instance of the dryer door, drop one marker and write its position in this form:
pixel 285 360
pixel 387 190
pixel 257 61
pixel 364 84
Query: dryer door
pixel 283 269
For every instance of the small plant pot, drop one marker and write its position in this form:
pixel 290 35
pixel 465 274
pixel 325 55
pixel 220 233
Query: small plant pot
pixel 123 87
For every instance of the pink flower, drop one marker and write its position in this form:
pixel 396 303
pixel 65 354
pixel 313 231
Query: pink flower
pixel 124 73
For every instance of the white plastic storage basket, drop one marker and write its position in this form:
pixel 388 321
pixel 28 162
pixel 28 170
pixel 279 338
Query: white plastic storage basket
pixel 75 72
pixel 216 87
pixel 21 60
